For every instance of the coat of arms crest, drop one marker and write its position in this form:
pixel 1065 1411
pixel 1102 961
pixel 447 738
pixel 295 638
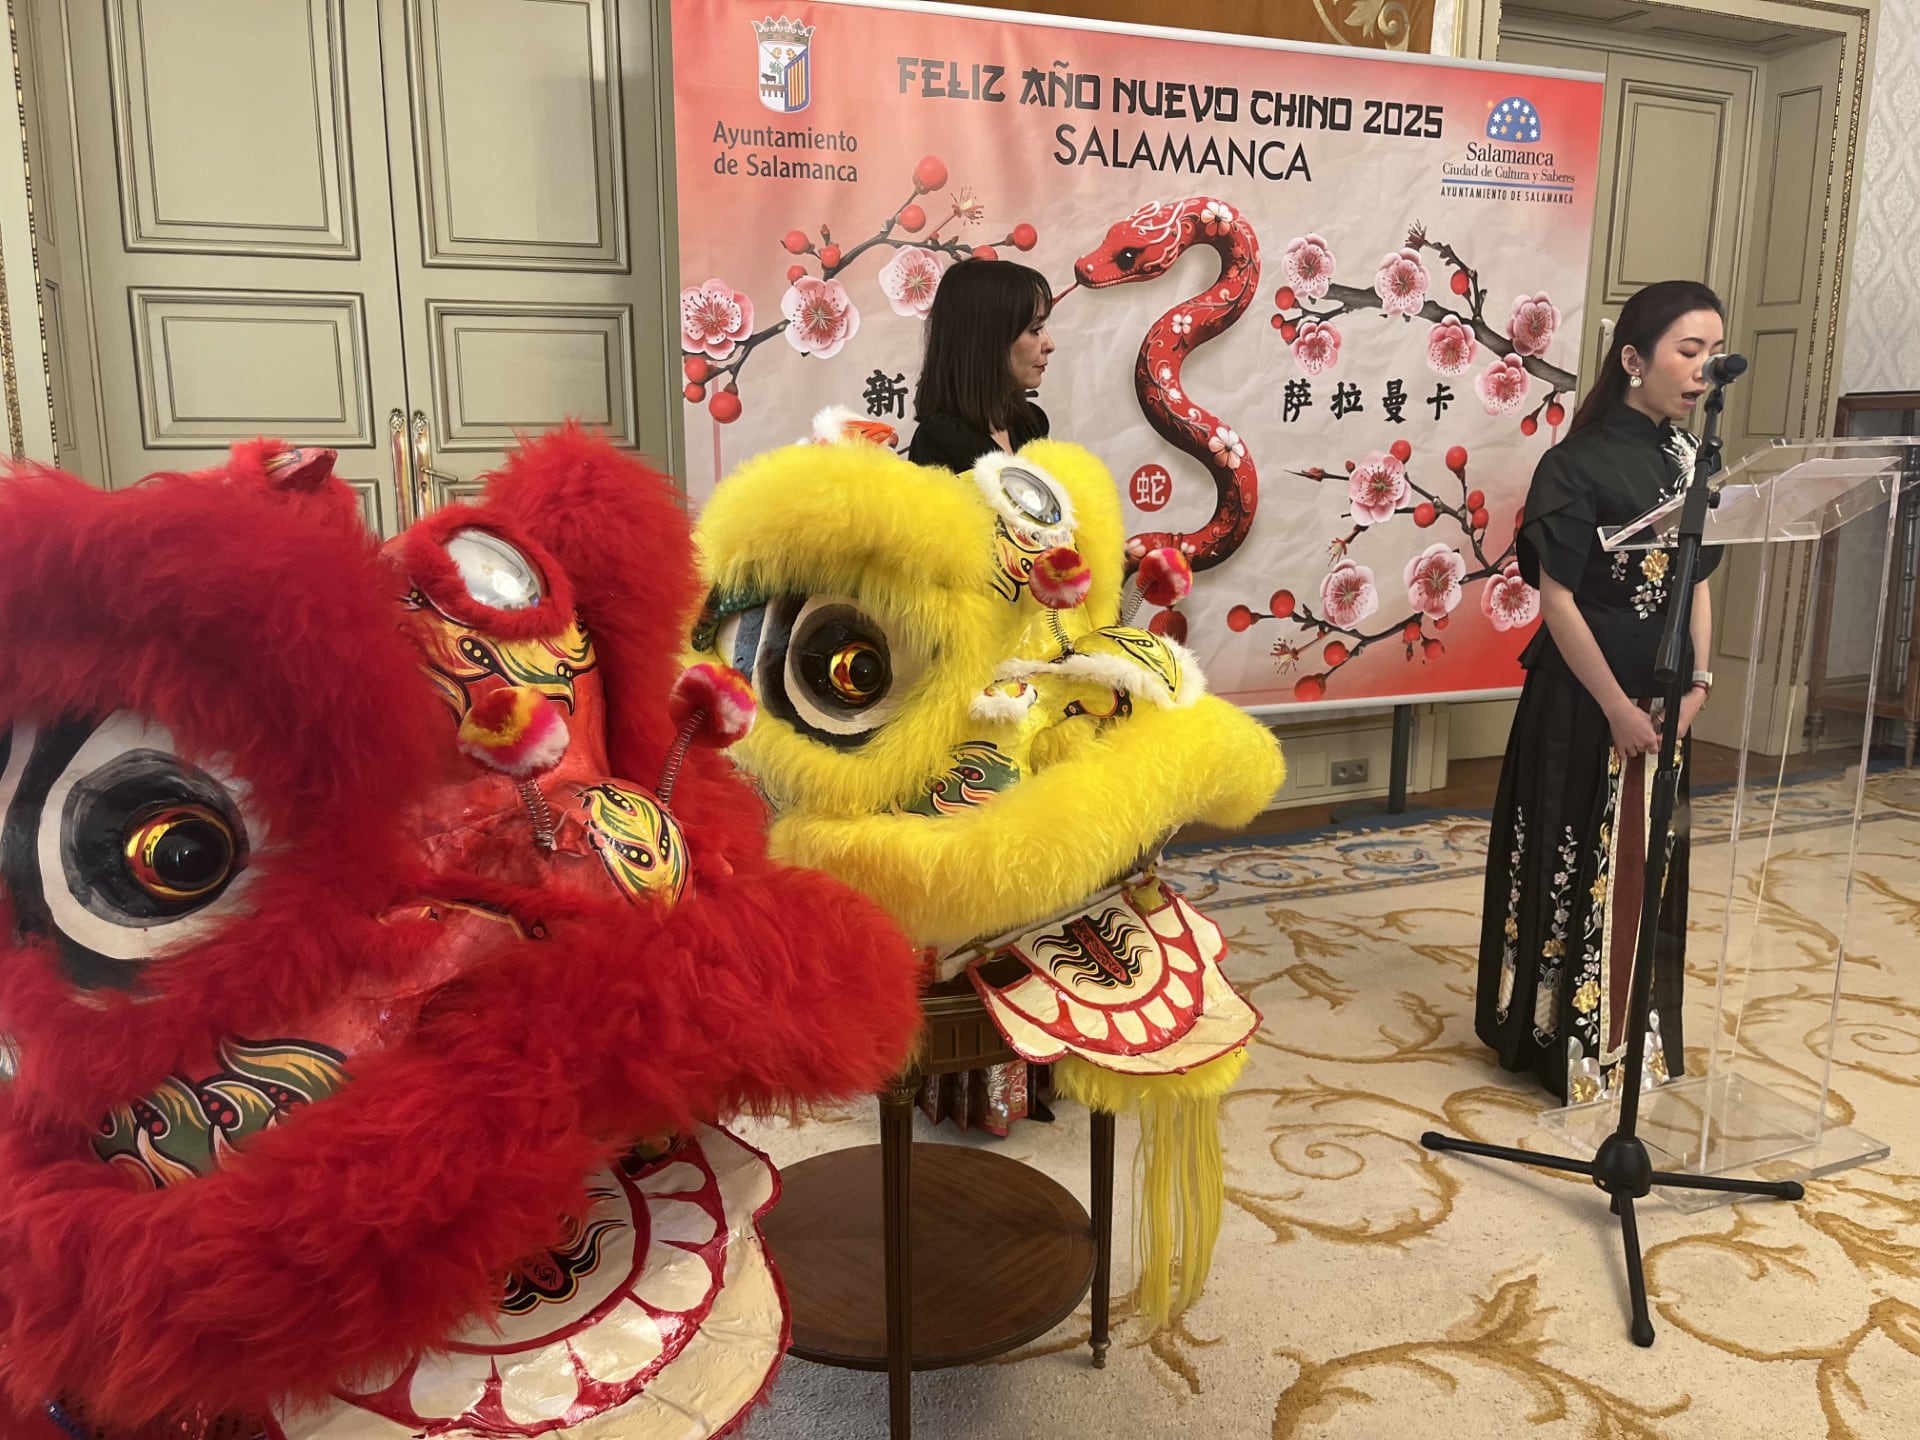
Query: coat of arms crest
pixel 786 83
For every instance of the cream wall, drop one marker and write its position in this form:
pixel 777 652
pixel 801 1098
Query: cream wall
pixel 1880 347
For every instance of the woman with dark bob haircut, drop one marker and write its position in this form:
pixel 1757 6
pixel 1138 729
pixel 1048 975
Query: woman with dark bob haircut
pixel 987 350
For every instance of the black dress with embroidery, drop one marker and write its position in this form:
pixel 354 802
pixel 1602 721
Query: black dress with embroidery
pixel 1569 830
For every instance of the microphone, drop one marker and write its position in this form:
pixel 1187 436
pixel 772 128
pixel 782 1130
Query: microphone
pixel 1724 369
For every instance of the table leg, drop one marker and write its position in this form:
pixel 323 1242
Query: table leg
pixel 1040 1093
pixel 896 1206
pixel 1102 1231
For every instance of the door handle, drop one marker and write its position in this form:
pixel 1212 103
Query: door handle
pixel 424 475
pixel 1606 339
pixel 402 473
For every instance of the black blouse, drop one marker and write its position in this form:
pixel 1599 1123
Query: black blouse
pixel 1612 471
pixel 954 444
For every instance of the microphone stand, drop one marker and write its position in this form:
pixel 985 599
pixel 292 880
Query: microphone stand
pixel 1621 1165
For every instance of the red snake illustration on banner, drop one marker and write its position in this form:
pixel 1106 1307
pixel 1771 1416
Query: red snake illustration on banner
pixel 1145 246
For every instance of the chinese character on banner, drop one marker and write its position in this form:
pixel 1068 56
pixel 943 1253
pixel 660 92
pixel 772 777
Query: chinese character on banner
pixel 1296 397
pixel 1150 488
pixel 886 396
pixel 1394 401
pixel 1346 400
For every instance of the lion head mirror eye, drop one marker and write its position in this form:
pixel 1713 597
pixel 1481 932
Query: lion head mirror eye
pixel 1029 502
pixel 495 573
pixel 1030 495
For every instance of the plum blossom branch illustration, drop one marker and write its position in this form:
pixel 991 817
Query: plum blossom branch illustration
pixel 818 314
pixel 1311 300
pixel 1380 488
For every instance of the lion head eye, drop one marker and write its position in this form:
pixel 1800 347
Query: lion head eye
pixel 178 853
pixel 115 847
pixel 830 668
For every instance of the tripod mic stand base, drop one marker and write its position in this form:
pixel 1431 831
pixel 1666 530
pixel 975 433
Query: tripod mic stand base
pixel 1622 1168
pixel 1721 1124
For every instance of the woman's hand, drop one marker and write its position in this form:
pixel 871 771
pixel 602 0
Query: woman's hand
pixel 1690 704
pixel 1633 732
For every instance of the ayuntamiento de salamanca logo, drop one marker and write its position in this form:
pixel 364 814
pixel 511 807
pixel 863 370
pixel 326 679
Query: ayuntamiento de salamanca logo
pixel 1515 121
pixel 786 80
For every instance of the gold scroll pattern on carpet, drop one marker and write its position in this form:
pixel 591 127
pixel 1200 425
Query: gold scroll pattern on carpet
pixel 1867 1347
pixel 1370 1290
pixel 1336 1152
pixel 1497 1352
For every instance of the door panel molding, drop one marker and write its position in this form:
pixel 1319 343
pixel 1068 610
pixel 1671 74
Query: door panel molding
pixel 222 310
pixel 1788 213
pixel 1770 397
pixel 218 366
pixel 372 507
pixel 1636 255
pixel 503 367
pixel 534 174
pixel 193 180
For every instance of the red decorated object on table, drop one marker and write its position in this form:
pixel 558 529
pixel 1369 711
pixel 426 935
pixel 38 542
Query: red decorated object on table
pixel 366 1009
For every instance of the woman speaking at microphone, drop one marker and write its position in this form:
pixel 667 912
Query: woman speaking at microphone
pixel 1566 857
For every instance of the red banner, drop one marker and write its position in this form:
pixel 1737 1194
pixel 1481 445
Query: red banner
pixel 1319 310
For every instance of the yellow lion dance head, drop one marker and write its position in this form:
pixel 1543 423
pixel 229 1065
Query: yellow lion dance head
pixel 930 731
pixel 955 719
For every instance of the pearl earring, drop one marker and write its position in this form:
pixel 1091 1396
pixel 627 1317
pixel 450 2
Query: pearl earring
pixel 1634 381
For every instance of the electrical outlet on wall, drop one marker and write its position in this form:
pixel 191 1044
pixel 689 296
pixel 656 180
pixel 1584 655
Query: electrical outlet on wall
pixel 1349 772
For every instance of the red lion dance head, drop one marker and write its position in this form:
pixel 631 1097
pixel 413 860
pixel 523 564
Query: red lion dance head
pixel 366 1001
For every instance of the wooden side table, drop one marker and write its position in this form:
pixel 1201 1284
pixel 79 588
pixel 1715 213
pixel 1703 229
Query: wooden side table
pixel 900 1260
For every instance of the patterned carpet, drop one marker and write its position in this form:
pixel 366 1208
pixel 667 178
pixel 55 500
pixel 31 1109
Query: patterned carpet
pixel 1367 1288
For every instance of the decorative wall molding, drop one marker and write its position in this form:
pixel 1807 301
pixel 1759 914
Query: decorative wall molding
pixel 1881 350
pixel 1407 25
